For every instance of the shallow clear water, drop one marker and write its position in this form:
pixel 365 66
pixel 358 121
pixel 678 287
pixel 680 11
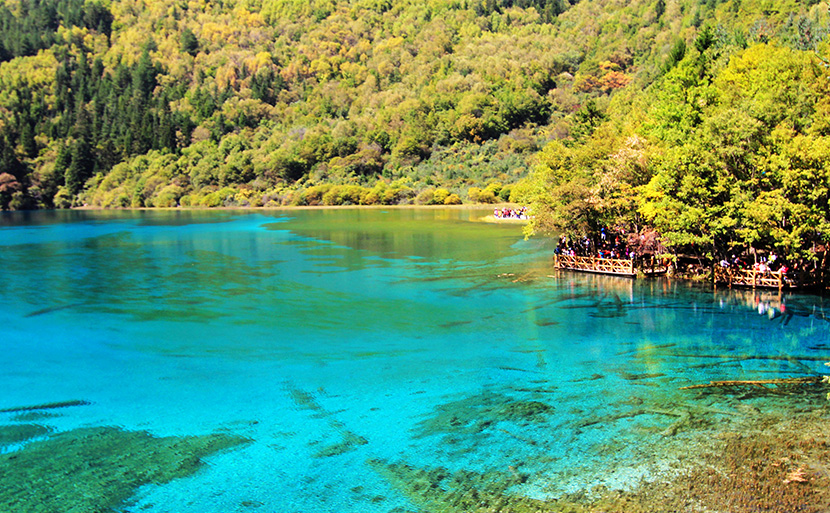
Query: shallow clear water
pixel 332 339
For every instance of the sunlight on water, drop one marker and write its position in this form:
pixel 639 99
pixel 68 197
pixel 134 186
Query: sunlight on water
pixel 370 360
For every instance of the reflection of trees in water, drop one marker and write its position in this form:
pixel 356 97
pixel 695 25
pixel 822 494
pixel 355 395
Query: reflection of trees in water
pixel 727 340
pixel 776 305
pixel 615 296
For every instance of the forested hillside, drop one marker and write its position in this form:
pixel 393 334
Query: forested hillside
pixel 727 152
pixel 270 102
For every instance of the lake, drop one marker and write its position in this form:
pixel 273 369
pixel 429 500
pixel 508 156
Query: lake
pixel 386 360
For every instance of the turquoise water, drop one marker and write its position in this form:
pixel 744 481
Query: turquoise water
pixel 339 341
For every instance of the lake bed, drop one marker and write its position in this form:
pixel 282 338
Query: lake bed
pixel 385 360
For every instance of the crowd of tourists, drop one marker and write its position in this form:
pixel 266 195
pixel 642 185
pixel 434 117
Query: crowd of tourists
pixel 609 245
pixel 510 213
pixel 618 245
pixel 764 265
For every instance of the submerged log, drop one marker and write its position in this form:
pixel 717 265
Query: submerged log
pixel 46 406
pixel 759 382
pixel 733 357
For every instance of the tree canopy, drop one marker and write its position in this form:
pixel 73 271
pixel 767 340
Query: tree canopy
pixel 729 153
pixel 253 102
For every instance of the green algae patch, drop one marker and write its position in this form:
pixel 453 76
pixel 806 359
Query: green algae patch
pixel 31 416
pixel 349 443
pixel 439 490
pixel 784 467
pixel 742 460
pixel 305 400
pixel 98 469
pixel 476 413
pixel 20 433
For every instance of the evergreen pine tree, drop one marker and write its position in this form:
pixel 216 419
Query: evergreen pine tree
pixel 82 162
pixel 9 163
pixel 166 135
pixel 27 140
pixel 189 43
pixel 144 75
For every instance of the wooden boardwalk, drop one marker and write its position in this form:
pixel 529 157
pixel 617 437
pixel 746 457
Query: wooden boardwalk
pixel 616 266
pixel 768 280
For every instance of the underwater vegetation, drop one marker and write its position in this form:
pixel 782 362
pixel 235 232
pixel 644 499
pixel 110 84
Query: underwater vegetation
pixel 773 465
pixel 348 441
pixel 474 414
pixel 20 433
pixel 107 466
pixel 439 490
pixel 718 449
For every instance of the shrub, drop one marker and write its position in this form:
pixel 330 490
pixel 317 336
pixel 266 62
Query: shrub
pixel 494 187
pixel 248 197
pixel 397 196
pixel 168 196
pixel 350 194
pixel 122 200
pixel 439 196
pixel 20 201
pixel 214 199
pixel 426 197
pixel 343 195
pixel 165 200
pixel 312 196
pixel 369 197
pixel 227 196
pixel 452 199
pixel 487 196
pixel 332 196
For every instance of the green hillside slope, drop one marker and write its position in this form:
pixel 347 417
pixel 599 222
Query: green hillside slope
pixel 271 102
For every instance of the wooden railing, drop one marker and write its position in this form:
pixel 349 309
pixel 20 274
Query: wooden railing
pixel 626 267
pixel 767 279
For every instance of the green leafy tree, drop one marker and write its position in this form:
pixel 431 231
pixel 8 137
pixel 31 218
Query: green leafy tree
pixel 189 44
pixel 586 120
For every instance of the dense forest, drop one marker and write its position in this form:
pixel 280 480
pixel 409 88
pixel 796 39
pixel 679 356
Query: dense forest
pixel 727 152
pixel 704 119
pixel 138 103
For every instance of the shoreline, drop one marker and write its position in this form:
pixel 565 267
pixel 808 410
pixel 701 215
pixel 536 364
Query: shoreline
pixel 508 220
pixel 463 206
pixel 684 275
pixel 490 218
